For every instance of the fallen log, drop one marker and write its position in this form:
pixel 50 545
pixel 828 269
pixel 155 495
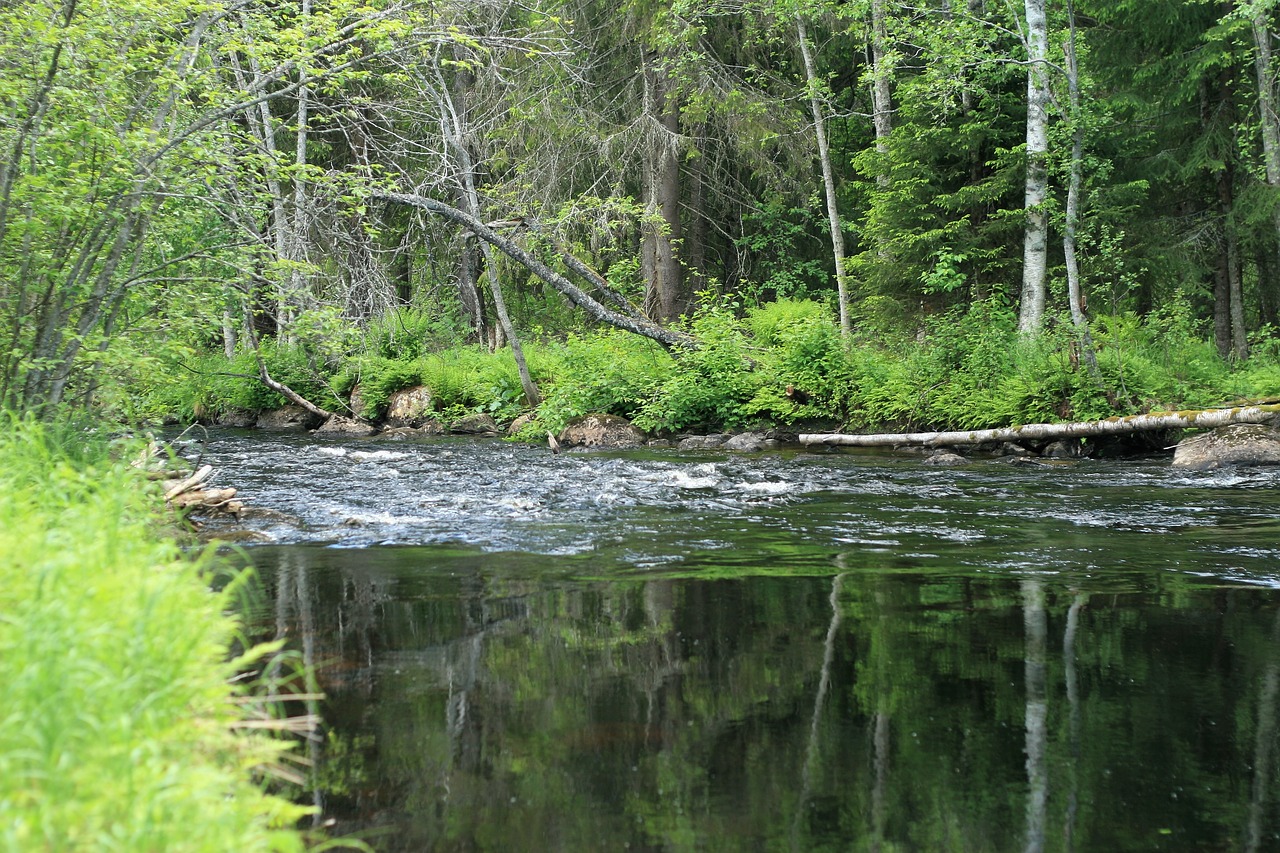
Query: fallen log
pixel 173 489
pixel 206 498
pixel 1191 419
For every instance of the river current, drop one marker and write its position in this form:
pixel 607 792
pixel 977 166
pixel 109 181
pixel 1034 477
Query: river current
pixel 654 650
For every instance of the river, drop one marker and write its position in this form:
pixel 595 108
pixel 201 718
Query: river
pixel 785 651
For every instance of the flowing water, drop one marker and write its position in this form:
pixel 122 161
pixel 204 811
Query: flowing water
pixel 788 651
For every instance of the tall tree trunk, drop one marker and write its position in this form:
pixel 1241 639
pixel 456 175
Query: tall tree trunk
pixel 696 214
pixel 468 293
pixel 279 238
pixel 1222 300
pixel 1270 120
pixel 661 232
pixel 468 263
pixel 1074 296
pixel 828 177
pixel 1268 286
pixel 1228 315
pixel 300 226
pixel 1035 241
pixel 881 89
pixel 1075 715
pixel 824 685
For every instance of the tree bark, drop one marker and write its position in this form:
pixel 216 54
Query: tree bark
pixel 881 89
pixel 1035 241
pixel 661 230
pixel 1270 126
pixel 828 177
pixel 1191 419
pixel 1074 296
pixel 456 139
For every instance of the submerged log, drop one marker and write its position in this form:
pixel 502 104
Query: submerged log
pixel 1192 419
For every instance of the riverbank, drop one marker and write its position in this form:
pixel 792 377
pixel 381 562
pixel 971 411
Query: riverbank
pixel 783 367
pixel 123 729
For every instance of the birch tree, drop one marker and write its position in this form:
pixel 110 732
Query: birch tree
pixel 1036 237
pixel 828 175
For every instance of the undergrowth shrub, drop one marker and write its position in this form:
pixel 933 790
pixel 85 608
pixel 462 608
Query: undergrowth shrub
pixel 378 379
pixel 405 334
pixel 234 384
pixel 803 352
pixel 712 385
pixel 607 372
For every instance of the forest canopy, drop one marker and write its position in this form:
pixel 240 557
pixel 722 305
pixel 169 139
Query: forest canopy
pixel 183 177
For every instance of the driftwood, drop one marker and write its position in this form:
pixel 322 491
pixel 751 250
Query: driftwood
pixel 185 489
pixel 173 489
pixel 1192 419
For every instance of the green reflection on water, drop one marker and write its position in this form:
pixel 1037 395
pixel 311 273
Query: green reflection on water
pixel 779 696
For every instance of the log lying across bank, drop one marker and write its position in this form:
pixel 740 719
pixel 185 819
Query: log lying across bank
pixel 1193 419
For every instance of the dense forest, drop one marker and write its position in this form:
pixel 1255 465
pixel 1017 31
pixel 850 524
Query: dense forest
pixel 859 200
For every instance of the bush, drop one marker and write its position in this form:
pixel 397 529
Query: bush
pixel 713 386
pixel 378 379
pixel 609 372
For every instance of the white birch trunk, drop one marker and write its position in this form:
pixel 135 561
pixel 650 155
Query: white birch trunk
pixel 1035 242
pixel 881 90
pixel 1036 621
pixel 828 178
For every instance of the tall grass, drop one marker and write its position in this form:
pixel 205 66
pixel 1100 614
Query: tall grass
pixel 117 719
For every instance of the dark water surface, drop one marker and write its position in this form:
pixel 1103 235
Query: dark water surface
pixel 778 652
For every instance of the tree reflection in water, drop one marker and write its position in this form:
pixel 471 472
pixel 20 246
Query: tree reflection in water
pixel 496 701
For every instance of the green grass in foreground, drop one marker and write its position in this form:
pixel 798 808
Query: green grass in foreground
pixel 116 712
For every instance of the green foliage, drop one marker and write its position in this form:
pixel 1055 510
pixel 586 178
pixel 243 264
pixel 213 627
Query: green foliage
pixel 714 383
pixel 378 378
pixel 236 384
pixel 119 732
pixel 608 372
pixel 409 333
pixel 791 260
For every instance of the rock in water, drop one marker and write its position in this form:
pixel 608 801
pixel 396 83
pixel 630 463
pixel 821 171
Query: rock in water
pixel 704 442
pixel 1237 444
pixel 288 417
pixel 945 458
pixel 747 442
pixel 237 418
pixel 338 425
pixel 601 431
pixel 477 424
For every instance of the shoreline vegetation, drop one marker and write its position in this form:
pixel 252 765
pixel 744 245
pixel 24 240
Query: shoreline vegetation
pixel 780 366
pixel 128 723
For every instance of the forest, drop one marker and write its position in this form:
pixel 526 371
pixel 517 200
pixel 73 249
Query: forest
pixel 866 215
pixel 953 213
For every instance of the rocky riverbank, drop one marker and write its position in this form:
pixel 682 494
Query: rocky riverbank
pixel 409 416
